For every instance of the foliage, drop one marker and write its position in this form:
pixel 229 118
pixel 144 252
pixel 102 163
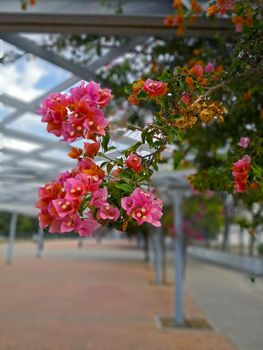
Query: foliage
pixel 260 249
pixel 205 97
pixel 203 214
pixel 25 225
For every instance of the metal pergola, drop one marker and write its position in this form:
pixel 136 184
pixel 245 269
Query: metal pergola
pixel 24 171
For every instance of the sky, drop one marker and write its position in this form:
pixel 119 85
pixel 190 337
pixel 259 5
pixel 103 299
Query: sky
pixel 26 79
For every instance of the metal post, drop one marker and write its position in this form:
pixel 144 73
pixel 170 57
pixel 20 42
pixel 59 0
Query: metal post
pixel 178 260
pixel 11 238
pixel 158 259
pixel 40 242
pixel 151 251
pixel 81 242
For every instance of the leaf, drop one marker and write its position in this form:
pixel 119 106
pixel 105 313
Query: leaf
pixel 109 167
pixel 177 158
pixel 142 95
pixel 128 90
pixel 124 187
pixel 105 142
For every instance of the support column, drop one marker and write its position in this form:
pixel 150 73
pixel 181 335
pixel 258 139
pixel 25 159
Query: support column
pixel 81 242
pixel 151 251
pixel 11 238
pixel 178 260
pixel 159 258
pixel 40 243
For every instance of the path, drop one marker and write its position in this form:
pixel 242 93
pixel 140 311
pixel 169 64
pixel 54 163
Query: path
pixel 97 298
pixel 230 301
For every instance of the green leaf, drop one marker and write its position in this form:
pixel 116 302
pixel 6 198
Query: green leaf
pixel 142 95
pixel 128 90
pixel 109 167
pixel 105 142
pixel 177 158
pixel 124 187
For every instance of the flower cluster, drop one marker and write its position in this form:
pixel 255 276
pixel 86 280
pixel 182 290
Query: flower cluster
pixel 200 112
pixel 244 142
pixel 153 89
pixel 240 172
pixel 178 20
pixel 143 207
pixel 134 162
pixel 73 201
pixel 242 14
pixel 83 199
pixel 77 115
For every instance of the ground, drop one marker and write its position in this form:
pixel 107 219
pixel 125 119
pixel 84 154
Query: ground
pixel 96 298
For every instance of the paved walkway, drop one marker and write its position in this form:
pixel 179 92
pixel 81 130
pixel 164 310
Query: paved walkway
pixel 230 301
pixel 97 298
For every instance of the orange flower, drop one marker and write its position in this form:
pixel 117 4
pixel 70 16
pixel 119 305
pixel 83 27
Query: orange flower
pixel 219 69
pixel 211 10
pixel 203 82
pixel 91 149
pixel 197 71
pixel 75 153
pixel 94 170
pixel 177 3
pixel 247 96
pixel 133 99
pixel 189 82
pixel 168 21
pixel 196 8
pixel 255 185
pixel 180 30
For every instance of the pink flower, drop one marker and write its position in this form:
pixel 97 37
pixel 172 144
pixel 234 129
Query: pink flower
pixel 85 163
pixel 143 206
pixel 99 197
pixel 224 5
pixel 45 219
pixel 95 124
pixel 54 111
pixel 197 70
pixel 61 178
pixel 88 226
pixel 209 68
pixel 92 93
pixel 155 88
pixel 70 223
pixel 104 97
pixel 65 207
pixel 108 212
pixel 240 172
pixel 91 182
pixel 74 189
pixel 239 27
pixel 134 162
pixel 47 193
pixel 72 130
pixel 186 98
pixel 127 204
pixel 244 142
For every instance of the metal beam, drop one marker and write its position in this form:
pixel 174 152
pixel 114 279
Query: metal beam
pixel 11 238
pixel 23 107
pixel 30 47
pixel 87 73
pixel 129 25
pixel 178 260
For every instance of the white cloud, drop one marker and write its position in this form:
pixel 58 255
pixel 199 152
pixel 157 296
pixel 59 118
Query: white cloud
pixel 19 80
